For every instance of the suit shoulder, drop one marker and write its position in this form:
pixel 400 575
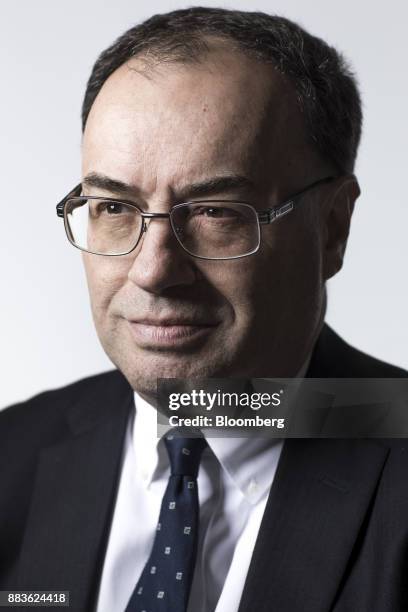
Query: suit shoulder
pixel 333 357
pixel 46 411
pixel 368 366
pixel 27 428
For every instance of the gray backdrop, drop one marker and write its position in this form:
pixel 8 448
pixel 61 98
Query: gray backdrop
pixel 47 50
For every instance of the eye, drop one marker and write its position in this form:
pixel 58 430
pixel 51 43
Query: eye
pixel 111 208
pixel 215 212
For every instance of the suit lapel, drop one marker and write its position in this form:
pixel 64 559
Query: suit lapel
pixel 320 496
pixel 74 493
pixel 321 493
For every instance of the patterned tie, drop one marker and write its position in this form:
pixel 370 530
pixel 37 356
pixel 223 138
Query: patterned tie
pixel 165 583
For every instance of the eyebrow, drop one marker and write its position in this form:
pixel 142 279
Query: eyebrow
pixel 101 181
pixel 207 187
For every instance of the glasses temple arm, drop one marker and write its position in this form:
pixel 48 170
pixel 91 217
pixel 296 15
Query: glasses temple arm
pixel 270 214
pixel 61 205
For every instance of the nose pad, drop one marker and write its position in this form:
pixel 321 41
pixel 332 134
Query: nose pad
pixel 145 226
pixel 179 232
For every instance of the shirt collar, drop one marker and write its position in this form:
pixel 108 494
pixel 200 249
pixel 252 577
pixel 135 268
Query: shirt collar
pixel 145 441
pixel 249 462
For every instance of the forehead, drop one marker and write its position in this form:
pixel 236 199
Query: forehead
pixel 224 113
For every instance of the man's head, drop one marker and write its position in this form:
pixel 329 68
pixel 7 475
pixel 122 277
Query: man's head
pixel 173 106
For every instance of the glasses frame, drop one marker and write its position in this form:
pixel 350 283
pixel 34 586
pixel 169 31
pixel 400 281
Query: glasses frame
pixel 264 217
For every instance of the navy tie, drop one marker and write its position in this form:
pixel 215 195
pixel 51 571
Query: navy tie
pixel 165 583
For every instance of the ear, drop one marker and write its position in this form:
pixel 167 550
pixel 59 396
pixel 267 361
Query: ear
pixel 337 212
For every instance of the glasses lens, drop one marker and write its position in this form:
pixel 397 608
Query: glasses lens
pixel 103 226
pixel 216 230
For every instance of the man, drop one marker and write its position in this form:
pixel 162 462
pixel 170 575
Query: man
pixel 215 202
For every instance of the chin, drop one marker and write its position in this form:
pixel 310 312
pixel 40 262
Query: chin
pixel 142 371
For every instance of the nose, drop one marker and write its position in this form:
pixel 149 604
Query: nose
pixel 159 261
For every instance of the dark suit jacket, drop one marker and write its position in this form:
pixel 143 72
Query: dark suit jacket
pixel 334 536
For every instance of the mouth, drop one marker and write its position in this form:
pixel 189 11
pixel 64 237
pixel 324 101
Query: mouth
pixel 169 334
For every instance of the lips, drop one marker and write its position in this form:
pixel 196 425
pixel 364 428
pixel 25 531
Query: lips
pixel 171 321
pixel 170 332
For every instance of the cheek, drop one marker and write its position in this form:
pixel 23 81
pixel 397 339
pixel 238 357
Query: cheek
pixel 289 275
pixel 238 282
pixel 105 277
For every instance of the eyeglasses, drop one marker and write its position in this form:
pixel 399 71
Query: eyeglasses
pixel 207 229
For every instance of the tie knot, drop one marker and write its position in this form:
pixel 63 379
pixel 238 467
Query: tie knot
pixel 184 454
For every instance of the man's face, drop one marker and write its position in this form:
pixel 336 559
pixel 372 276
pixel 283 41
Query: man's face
pixel 158 311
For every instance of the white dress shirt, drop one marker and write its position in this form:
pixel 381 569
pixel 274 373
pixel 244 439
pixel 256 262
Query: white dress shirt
pixel 234 481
